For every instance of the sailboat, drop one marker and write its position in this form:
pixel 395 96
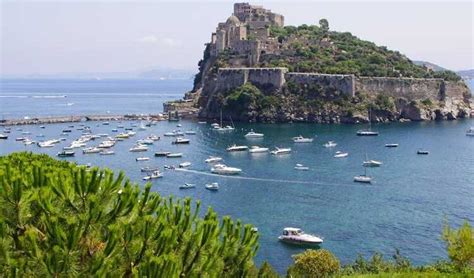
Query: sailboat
pixel 371 162
pixel 224 128
pixel 368 132
pixel 363 178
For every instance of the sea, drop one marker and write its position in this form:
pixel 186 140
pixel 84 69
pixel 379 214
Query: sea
pixel 404 208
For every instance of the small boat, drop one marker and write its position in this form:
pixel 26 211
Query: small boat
pixel 363 178
pixel 215 125
pixel 174 155
pixel 391 145
pixel 169 167
pixel 67 130
pixel 190 132
pixel 46 144
pixel 65 154
pixel 301 139
pixel 114 130
pixel 187 186
pixel 181 140
pixel 297 236
pixel 235 148
pixel 222 169
pixel 26 133
pixel 42 126
pixel 139 148
pixel 279 151
pixel 3 136
pixel 106 144
pixel 122 135
pixel 102 135
pixel 28 142
pixel 184 164
pixel 144 158
pixel 257 149
pixel 470 131
pixel 253 134
pixel 340 154
pixel 179 125
pixel 154 175
pixel 107 152
pixel 145 142
pixel 301 167
pixel 367 132
pixel 162 154
pixel 91 150
pixel 149 169
pixel 213 159
pixel 422 152
pixel 105 123
pixel 212 186
pixel 202 122
pixel 372 163
pixel 40 135
pixel 153 137
pixel 330 144
pixel 20 139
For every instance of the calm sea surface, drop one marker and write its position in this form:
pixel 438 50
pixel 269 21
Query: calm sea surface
pixel 404 208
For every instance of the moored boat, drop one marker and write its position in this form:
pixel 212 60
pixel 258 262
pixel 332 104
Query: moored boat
pixel 297 236
pixel 222 169
pixel 174 155
pixel 279 151
pixel 235 148
pixel 257 149
pixel 181 140
pixel 143 158
pixel 301 167
pixel 423 152
pixel 253 134
pixel 138 148
pixel 213 159
pixel 340 154
pixel 66 154
pixel 187 186
pixel 161 154
pixel 330 144
pixel 301 139
pixel 184 164
pixel 470 131
pixel 212 186
pixel 391 145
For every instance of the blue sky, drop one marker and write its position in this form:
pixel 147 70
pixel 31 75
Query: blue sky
pixel 46 37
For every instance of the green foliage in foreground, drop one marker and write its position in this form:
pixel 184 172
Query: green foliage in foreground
pixel 61 220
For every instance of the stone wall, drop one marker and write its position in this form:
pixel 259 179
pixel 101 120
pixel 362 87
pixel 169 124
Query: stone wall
pixel 269 78
pixel 343 83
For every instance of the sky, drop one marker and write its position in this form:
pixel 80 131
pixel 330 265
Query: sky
pixel 48 37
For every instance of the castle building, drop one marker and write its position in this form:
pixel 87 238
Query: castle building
pixel 246 32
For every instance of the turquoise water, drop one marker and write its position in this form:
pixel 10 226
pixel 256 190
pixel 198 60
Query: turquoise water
pixel 404 208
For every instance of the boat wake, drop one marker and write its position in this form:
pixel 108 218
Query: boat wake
pixel 257 179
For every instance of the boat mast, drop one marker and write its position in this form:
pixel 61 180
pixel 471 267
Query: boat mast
pixel 221 117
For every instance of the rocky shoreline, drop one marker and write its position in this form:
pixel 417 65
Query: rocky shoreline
pixel 81 118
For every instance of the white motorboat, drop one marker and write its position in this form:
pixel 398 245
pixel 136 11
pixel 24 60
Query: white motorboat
pixel 171 134
pixel 3 136
pixel 372 163
pixel 257 149
pixel 107 152
pixel 179 125
pixel 174 155
pixel 363 179
pixel 106 144
pixel 202 122
pixel 181 140
pixel 301 167
pixel 301 139
pixel 222 169
pixel 368 132
pixel 330 144
pixel 187 186
pixel 28 142
pixel 190 132
pixel 139 148
pixel 235 148
pixel 153 137
pixel 66 154
pixel 122 136
pixel 225 128
pixel 213 159
pixel 470 131
pixel 47 144
pixel 145 142
pixel 131 133
pixel 91 150
pixel 149 169
pixel 297 236
pixel 253 134
pixel 154 175
pixel 214 125
pixel 212 186
pixel 391 145
pixel 161 154
pixel 144 158
pixel 184 164
pixel 279 151
pixel 340 154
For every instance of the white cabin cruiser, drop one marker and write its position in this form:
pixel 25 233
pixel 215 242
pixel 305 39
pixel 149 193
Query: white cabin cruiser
pixel 301 167
pixel 212 186
pixel 184 164
pixel 470 131
pixel 257 149
pixel 181 140
pixel 372 163
pixel 91 150
pixel 363 179
pixel 297 236
pixel 155 175
pixel 174 155
pixel 253 134
pixel 391 145
pixel 139 148
pixel 235 148
pixel 144 158
pixel 330 144
pixel 340 154
pixel 279 151
pixel 222 169
pixel 213 159
pixel 107 152
pixel 187 186
pixel 301 139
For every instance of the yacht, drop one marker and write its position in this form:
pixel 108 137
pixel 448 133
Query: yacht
pixel 174 155
pixel 153 137
pixel 420 151
pixel 212 186
pixel 235 148
pixel 222 169
pixel 340 154
pixel 161 154
pixel 184 164
pixel 391 145
pixel 107 152
pixel 154 175
pixel 372 163
pixel 3 136
pixel 139 148
pixel 20 139
pixel 149 169
pixel 91 150
pixel 330 144
pixel 106 144
pixel 28 141
pixel 278 151
pixel 122 135
pixel 131 133
pixel 297 236
pixel 363 178
pixel 65 154
pixel 301 139
pixel 144 158
pixel 213 159
pixel 187 186
pixel 257 149
pixel 181 140
pixel 368 132
pixel 215 125
pixel 301 167
pixel 470 131
pixel 145 142
pixel 253 134
pixel 47 144
pixel 225 128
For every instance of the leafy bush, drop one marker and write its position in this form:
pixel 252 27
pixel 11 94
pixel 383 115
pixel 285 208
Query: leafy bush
pixel 63 220
pixel 460 245
pixel 314 263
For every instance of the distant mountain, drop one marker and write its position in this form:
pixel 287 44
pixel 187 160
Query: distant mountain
pixel 466 74
pixel 429 65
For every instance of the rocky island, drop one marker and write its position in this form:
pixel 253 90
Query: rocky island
pixel 257 69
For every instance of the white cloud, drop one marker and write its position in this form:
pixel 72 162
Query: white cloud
pixel 155 39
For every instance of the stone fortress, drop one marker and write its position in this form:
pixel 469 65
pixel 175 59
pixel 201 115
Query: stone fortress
pixel 246 32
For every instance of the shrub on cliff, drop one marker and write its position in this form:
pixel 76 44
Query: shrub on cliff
pixel 62 220
pixel 460 245
pixel 314 263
